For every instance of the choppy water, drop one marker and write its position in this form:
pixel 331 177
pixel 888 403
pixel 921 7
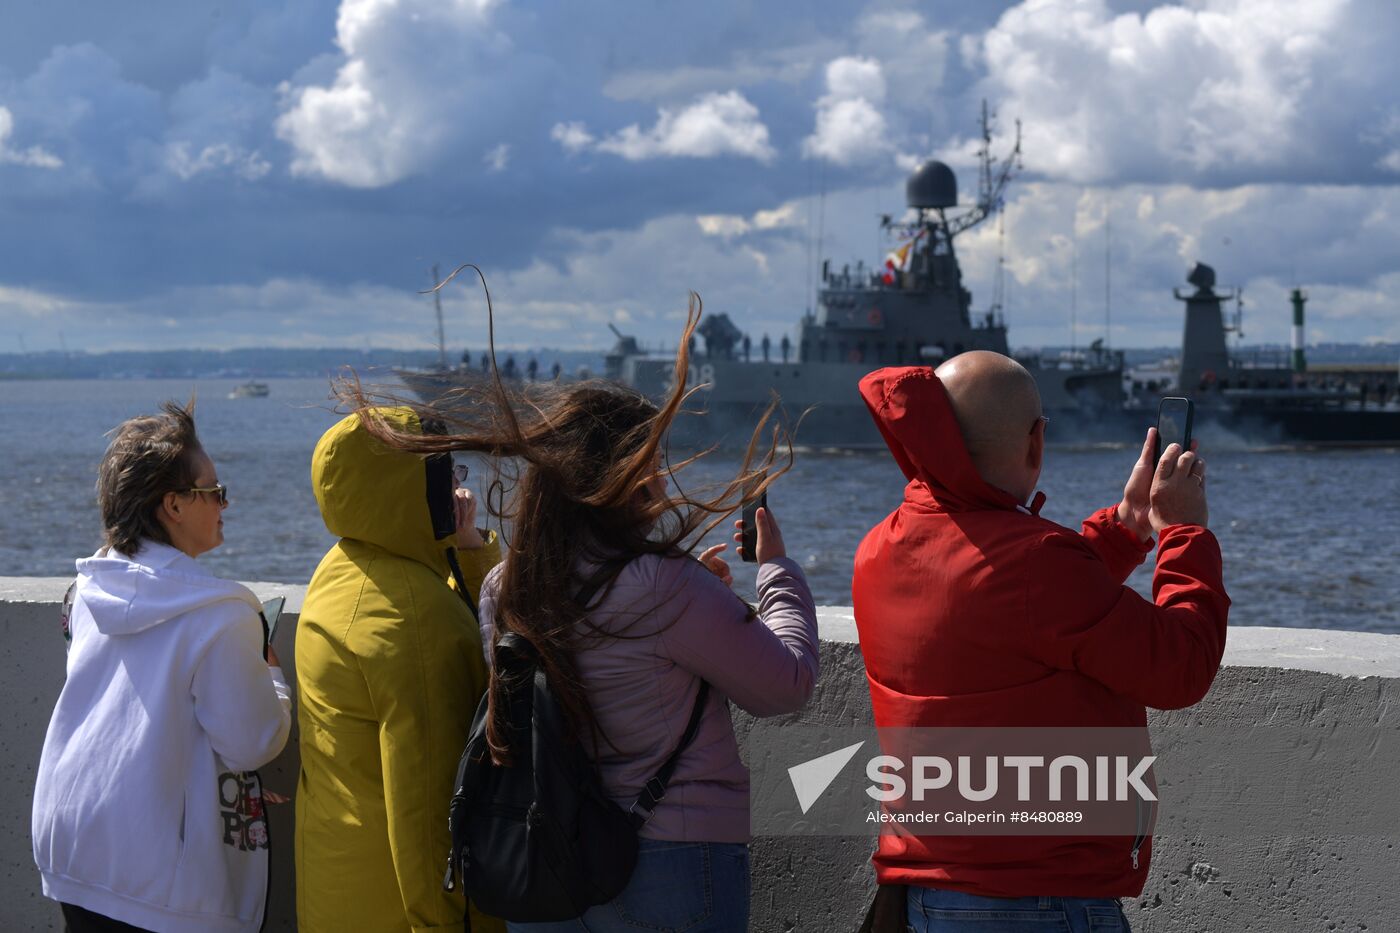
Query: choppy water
pixel 1310 538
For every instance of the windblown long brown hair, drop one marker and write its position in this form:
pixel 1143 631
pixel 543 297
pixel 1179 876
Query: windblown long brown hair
pixel 582 509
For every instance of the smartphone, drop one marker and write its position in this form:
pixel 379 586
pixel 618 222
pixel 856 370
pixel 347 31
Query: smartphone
pixel 749 542
pixel 271 612
pixel 1174 418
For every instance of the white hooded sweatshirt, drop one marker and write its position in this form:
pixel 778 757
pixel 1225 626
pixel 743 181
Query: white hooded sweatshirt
pixel 146 810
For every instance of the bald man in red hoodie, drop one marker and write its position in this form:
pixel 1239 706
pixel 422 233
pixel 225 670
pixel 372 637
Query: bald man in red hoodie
pixel 973 611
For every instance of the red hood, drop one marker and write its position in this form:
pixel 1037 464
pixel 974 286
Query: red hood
pixel 912 410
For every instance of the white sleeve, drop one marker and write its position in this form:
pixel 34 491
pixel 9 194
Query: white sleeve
pixel 243 705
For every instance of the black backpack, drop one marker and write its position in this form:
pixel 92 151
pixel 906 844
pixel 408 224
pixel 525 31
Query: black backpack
pixel 540 840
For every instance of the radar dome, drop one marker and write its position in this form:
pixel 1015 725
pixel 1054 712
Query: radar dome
pixel 1202 276
pixel 932 185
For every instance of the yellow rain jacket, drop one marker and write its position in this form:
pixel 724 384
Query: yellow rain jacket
pixel 389 670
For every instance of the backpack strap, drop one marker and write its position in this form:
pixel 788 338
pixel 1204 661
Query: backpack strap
pixel 462 584
pixel 654 791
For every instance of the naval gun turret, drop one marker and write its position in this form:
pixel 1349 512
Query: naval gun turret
pixel 625 347
pixel 721 336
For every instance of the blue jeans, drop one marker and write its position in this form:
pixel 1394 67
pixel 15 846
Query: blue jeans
pixel 934 911
pixel 677 887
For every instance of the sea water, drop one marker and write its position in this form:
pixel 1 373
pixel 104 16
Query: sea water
pixel 1309 537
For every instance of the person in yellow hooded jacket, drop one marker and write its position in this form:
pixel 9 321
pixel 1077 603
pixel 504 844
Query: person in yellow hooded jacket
pixel 389 669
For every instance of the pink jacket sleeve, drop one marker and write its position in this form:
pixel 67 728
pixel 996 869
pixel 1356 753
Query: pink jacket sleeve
pixel 767 665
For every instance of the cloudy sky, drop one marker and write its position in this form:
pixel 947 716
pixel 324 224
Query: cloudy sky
pixel 183 173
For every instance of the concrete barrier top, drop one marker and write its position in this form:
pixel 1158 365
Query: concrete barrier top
pixel 1325 651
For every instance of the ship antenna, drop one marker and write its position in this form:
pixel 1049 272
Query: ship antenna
pixel 1073 285
pixel 811 169
pixel 821 214
pixel 1107 274
pixel 984 158
pixel 999 283
pixel 993 176
pixel 437 306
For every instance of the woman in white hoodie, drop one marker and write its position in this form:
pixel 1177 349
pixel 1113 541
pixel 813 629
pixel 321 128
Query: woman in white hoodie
pixel 148 813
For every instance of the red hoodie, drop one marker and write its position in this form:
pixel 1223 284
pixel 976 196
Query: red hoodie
pixel 973 611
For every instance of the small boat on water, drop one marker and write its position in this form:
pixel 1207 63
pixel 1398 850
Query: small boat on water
pixel 250 390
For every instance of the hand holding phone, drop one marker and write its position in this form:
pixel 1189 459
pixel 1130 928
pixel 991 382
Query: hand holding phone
pixel 1178 494
pixel 748 528
pixel 760 539
pixel 1179 491
pixel 1174 422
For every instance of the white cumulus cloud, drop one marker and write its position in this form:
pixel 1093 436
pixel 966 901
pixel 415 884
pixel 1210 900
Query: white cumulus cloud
pixel 497 157
pixel 850 127
pixel 573 136
pixel 728 225
pixel 411 70
pixel 34 156
pixel 714 125
pixel 181 159
pixel 1183 91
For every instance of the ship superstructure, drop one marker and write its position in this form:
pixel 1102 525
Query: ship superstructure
pixel 913 310
pixel 1263 398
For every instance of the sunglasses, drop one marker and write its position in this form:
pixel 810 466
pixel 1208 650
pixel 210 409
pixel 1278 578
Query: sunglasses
pixel 219 488
pixel 459 473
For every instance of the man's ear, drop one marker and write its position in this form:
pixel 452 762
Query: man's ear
pixel 1036 452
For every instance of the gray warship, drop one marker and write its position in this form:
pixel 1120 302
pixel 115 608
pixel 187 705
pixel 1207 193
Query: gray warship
pixel 915 310
pixel 1264 398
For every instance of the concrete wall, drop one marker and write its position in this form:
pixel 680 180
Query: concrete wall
pixel 1290 874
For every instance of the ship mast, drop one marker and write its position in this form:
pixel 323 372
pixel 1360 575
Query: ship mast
pixel 437 306
pixel 993 176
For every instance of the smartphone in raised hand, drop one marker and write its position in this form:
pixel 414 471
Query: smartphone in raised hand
pixel 749 543
pixel 1174 422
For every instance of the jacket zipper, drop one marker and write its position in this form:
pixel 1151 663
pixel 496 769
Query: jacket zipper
pixel 1141 833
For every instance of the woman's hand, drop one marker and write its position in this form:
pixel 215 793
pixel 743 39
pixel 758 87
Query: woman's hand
pixel 469 537
pixel 769 543
pixel 717 565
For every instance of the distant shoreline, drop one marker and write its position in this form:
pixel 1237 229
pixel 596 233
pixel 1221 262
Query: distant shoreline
pixel 324 362
pixel 258 362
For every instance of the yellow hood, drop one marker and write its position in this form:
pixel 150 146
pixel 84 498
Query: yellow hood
pixel 381 496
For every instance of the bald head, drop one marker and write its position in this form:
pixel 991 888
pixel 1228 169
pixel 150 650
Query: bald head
pixel 997 403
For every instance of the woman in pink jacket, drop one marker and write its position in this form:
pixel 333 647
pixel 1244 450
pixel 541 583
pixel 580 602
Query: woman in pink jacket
pixel 628 625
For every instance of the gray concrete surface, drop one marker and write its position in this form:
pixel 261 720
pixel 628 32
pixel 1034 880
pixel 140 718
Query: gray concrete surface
pixel 1288 873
